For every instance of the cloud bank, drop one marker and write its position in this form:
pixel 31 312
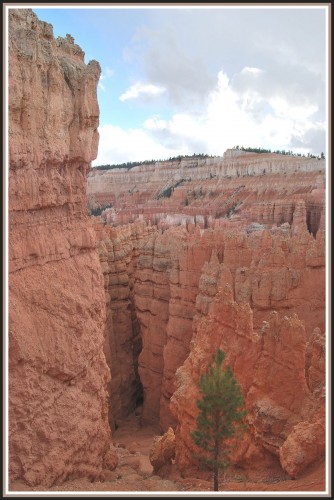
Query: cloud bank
pixel 220 78
pixel 237 112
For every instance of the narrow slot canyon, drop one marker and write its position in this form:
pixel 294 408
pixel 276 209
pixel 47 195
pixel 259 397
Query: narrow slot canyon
pixel 161 285
pixel 137 296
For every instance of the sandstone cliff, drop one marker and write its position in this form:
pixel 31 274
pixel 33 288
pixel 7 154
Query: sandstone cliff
pixel 214 192
pixel 285 414
pixel 254 222
pixel 163 282
pixel 119 249
pixel 58 422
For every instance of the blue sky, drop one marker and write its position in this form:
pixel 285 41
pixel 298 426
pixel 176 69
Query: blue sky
pixel 189 80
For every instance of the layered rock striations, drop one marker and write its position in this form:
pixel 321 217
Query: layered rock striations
pixel 166 287
pixel 213 192
pixel 58 408
pixel 253 222
pixel 264 237
pixel 175 276
pixel 119 249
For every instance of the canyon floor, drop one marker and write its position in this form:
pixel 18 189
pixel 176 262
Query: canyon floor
pixel 134 472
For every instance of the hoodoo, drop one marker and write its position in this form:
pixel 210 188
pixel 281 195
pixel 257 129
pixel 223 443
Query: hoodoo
pixel 263 235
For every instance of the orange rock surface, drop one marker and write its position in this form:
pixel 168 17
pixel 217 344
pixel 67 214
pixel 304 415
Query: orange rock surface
pixel 118 250
pixel 163 451
pixel 58 408
pixel 177 273
pixel 253 221
pixel 230 191
pixel 285 414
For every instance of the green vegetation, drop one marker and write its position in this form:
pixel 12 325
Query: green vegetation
pixel 131 164
pixel 98 210
pixel 220 415
pixel 278 151
pixel 128 165
pixel 232 209
pixel 167 193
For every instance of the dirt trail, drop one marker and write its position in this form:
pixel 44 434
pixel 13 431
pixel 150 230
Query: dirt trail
pixel 134 471
pixel 136 442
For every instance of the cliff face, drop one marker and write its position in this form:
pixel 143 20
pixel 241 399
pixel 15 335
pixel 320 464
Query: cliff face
pixel 280 364
pixel 58 425
pixel 285 414
pixel 163 282
pixel 119 249
pixel 232 164
pixel 213 192
pixel 255 222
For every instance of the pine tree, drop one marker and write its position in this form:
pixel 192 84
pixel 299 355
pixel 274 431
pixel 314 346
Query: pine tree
pixel 220 415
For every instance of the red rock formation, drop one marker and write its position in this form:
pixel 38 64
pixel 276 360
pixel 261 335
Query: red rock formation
pixel 282 412
pixel 267 269
pixel 257 223
pixel 152 295
pixel 232 191
pixel 163 451
pixel 118 250
pixel 168 268
pixel 58 425
pixel 250 241
pixel 272 255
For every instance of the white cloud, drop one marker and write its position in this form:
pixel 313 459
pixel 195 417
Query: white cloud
pixel 253 71
pixel 119 146
pixel 155 123
pixel 139 89
pixel 231 117
pixel 270 49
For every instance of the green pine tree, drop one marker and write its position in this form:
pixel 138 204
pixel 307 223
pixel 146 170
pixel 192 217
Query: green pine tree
pixel 220 415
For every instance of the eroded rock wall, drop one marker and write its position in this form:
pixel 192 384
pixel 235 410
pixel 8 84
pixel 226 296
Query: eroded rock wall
pixel 285 414
pixel 278 360
pixel 236 189
pixel 175 276
pixel 272 256
pixel 119 249
pixel 167 280
pixel 58 408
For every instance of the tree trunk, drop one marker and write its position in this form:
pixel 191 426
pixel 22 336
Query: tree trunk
pixel 215 466
pixel 215 477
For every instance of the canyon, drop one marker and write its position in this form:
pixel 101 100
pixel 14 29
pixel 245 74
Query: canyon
pixel 169 285
pixel 119 314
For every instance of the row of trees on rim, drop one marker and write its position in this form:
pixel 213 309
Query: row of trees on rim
pixel 130 164
pixel 279 151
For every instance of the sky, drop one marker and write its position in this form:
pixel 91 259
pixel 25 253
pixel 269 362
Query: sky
pixel 185 80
